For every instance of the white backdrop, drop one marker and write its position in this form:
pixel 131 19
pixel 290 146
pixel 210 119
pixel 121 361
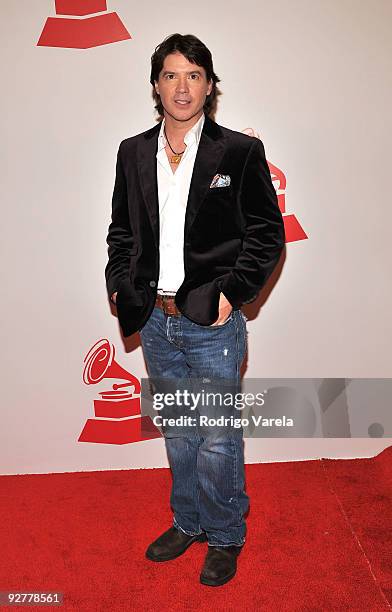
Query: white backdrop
pixel 313 78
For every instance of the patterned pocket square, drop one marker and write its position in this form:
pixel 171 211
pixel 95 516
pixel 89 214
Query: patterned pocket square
pixel 220 180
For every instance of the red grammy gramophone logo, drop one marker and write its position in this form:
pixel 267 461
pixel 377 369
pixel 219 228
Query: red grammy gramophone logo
pixel 118 418
pixel 80 27
pixel 292 227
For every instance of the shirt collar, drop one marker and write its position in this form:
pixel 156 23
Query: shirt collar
pixel 192 136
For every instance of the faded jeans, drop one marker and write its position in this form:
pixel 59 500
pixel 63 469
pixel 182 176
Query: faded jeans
pixel 207 462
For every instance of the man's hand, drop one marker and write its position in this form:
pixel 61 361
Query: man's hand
pixel 114 297
pixel 225 309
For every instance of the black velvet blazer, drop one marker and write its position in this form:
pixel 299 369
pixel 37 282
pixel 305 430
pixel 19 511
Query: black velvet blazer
pixel 233 235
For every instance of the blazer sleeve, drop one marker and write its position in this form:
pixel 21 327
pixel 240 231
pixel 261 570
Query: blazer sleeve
pixel 264 237
pixel 119 238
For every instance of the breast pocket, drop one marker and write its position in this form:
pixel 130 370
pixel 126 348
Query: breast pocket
pixel 220 190
pixel 223 209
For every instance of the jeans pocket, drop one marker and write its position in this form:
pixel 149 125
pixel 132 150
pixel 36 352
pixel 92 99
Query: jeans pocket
pixel 245 332
pixel 229 318
pixel 244 317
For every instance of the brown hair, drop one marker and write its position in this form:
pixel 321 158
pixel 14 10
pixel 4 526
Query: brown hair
pixel 195 52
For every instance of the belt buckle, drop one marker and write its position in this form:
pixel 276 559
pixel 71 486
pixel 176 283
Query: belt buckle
pixel 165 304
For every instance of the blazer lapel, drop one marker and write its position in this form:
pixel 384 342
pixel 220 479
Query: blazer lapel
pixel 209 155
pixel 147 168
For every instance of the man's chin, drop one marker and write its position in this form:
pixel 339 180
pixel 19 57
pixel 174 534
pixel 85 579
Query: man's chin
pixel 183 115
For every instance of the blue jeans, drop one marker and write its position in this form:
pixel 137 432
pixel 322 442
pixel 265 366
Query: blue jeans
pixel 207 462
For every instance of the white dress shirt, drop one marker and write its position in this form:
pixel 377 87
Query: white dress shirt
pixel 173 190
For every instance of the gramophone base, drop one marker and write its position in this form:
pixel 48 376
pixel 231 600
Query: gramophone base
pixel 125 431
pixel 293 229
pixel 83 33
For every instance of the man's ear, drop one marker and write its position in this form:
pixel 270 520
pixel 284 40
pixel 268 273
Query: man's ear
pixel 156 87
pixel 209 90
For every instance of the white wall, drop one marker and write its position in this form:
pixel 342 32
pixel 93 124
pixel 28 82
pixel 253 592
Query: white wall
pixel 314 79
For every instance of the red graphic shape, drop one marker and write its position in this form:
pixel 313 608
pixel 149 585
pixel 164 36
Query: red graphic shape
pixel 82 33
pixel 119 432
pixel 80 7
pixel 278 176
pixel 293 229
pixel 117 408
pixel 118 418
pixel 292 226
pixel 282 202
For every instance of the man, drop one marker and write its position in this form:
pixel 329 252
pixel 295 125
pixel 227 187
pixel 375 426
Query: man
pixel 195 233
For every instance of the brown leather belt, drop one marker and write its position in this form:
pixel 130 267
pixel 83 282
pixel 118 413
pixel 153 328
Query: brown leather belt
pixel 167 304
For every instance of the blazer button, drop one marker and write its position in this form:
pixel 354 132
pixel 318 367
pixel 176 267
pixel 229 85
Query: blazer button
pixel 152 283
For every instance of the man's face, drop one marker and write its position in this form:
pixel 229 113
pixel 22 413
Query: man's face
pixel 183 87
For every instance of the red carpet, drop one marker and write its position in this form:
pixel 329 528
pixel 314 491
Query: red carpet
pixel 319 539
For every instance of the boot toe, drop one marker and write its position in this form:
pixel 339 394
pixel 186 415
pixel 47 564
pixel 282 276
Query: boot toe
pixel 171 544
pixel 220 565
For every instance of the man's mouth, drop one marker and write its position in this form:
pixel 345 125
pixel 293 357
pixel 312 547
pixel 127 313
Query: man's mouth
pixel 182 102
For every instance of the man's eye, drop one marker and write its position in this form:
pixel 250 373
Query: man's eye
pixel 169 76
pixel 194 76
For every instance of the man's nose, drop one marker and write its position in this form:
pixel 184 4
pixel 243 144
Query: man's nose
pixel 182 84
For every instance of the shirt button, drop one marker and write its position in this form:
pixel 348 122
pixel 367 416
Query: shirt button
pixel 152 283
